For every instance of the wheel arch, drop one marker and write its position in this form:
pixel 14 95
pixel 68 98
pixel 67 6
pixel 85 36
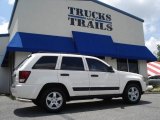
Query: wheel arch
pixel 133 82
pixel 55 85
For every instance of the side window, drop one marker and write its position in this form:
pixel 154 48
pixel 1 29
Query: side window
pixel 46 62
pixel 72 63
pixel 95 65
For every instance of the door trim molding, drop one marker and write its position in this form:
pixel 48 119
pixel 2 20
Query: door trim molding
pixel 94 88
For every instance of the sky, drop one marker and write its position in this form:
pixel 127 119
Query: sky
pixel 148 10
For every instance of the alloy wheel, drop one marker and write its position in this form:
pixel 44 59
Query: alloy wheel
pixel 54 100
pixel 133 94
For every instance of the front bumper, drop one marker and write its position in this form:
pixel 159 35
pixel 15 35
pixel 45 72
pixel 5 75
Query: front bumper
pixel 144 86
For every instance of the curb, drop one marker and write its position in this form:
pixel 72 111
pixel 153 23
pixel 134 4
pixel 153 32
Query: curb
pixel 152 93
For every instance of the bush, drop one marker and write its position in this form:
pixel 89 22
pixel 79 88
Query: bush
pixel 156 88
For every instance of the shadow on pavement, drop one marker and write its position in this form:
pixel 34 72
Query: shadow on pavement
pixel 35 111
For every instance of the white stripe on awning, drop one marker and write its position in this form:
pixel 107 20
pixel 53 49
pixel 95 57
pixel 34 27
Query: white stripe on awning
pixel 153 68
pixel 155 63
pixel 151 73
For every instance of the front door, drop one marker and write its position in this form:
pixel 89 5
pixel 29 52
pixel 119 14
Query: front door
pixel 102 81
pixel 72 73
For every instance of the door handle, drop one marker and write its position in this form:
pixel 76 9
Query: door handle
pixel 64 74
pixel 94 75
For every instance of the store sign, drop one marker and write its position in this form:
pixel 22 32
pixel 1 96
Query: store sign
pixel 89 19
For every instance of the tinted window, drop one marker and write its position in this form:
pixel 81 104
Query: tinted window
pixel 72 63
pixel 95 65
pixel 127 65
pixel 47 62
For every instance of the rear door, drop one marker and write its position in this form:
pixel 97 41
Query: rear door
pixel 102 80
pixel 72 74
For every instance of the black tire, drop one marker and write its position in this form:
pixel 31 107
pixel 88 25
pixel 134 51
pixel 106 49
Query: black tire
pixel 132 94
pixel 53 100
pixel 36 102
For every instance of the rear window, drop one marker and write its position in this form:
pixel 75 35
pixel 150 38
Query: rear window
pixel 46 62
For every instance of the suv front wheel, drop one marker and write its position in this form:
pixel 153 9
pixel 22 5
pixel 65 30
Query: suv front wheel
pixel 132 94
pixel 53 100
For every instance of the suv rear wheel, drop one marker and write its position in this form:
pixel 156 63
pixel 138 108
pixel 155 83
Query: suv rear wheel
pixel 132 94
pixel 53 100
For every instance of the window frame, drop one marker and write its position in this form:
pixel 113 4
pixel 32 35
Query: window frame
pixel 60 64
pixel 55 68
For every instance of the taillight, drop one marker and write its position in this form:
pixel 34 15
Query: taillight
pixel 23 76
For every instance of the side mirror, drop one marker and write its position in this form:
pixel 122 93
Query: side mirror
pixel 110 69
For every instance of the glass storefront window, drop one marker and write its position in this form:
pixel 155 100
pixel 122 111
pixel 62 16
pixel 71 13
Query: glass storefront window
pixel 127 65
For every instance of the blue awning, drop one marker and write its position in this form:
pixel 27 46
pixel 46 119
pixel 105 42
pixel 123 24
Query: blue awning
pixel 28 42
pixel 102 45
pixel 82 43
pixel 134 52
pixel 41 43
pixel 94 44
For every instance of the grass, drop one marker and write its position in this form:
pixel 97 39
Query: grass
pixel 156 89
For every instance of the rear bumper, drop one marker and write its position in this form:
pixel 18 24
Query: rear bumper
pixel 25 91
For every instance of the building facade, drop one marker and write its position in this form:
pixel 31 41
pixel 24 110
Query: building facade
pixel 72 26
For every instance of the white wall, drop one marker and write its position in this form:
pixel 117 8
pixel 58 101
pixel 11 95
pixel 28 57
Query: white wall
pixel 5 79
pixel 51 17
pixel 143 68
pixel 4 72
pixel 111 61
pixel 19 57
pixel 14 26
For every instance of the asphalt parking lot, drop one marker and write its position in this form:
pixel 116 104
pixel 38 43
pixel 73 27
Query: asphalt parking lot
pixel 147 109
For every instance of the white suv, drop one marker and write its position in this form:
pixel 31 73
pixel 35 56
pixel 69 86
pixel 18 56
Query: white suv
pixel 49 80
